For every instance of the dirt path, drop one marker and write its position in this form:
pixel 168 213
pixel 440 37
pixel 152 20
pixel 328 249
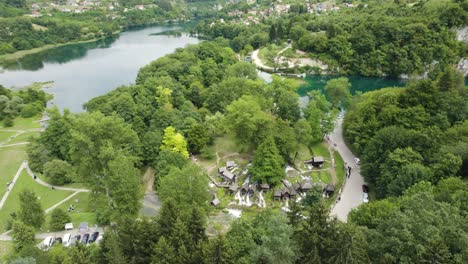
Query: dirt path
pixel 41 182
pixel 351 197
pixel 150 202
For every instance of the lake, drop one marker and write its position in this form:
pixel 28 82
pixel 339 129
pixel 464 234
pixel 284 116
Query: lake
pixel 83 71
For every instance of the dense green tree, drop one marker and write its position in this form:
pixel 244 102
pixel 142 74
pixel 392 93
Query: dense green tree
pixel 187 186
pixel 338 92
pixel 111 252
pixel 197 138
pixel 164 253
pixel 267 164
pixel 217 251
pixel 247 121
pixel 58 219
pixel 58 172
pixel 125 181
pixel 30 211
pixel 174 141
pixel 23 236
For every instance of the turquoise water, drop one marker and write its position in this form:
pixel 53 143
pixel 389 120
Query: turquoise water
pixel 358 83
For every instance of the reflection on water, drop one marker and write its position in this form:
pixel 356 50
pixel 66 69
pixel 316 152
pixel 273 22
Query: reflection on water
pixel 62 54
pixel 86 70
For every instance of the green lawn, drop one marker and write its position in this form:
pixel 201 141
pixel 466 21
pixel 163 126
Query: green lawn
pixel 10 161
pixel 4 135
pixel 25 137
pixel 6 248
pixel 340 171
pixel 321 149
pixel 81 213
pixel 48 197
pixel 23 123
pixel 321 176
pixel 267 54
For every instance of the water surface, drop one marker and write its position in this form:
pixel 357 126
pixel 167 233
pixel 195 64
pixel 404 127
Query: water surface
pixel 83 71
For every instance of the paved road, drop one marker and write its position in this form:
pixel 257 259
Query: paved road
pixel 10 187
pixel 351 196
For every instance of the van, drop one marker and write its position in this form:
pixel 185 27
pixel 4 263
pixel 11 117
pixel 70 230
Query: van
pixel 47 243
pixel 67 239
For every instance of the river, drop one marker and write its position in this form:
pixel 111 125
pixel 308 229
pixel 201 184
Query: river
pixel 83 71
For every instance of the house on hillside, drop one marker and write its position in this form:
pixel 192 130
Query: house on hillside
pixel 230 164
pixel 215 202
pixel 277 195
pixel 306 186
pixel 226 174
pixel 265 187
pixel 329 189
pixel 316 161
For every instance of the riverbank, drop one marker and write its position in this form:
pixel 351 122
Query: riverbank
pixel 20 54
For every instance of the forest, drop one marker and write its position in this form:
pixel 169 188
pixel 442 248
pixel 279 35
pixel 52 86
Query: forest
pixel 19 32
pixel 182 101
pixel 412 141
pixel 28 102
pixel 380 38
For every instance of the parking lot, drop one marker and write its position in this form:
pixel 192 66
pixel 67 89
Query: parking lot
pixel 73 233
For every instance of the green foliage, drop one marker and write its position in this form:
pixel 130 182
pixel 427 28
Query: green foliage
pixel 58 172
pixel 267 164
pixel 408 135
pixel 338 92
pixel 23 236
pixel 58 219
pixel 30 211
pixel 247 121
pixel 187 187
pixel 174 142
pixel 256 240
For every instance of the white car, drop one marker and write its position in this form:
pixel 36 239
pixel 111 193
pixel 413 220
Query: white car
pixel 67 239
pixel 365 197
pixel 358 161
pixel 47 243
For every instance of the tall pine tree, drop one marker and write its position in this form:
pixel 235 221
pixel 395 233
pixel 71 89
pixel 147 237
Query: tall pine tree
pixel 267 166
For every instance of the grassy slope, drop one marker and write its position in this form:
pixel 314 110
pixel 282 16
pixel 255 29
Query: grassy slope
pixel 23 123
pixel 81 212
pixel 25 137
pixel 10 160
pixel 47 196
pixel 5 135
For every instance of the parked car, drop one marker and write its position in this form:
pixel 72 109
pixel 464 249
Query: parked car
pixel 57 240
pixel 67 239
pixel 358 161
pixel 74 240
pixel 99 239
pixel 93 237
pixel 47 243
pixel 365 197
pixel 84 239
pixel 365 188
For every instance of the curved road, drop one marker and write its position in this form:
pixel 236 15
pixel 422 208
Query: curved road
pixel 351 195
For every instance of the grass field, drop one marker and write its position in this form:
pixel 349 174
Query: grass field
pixel 320 149
pixel 23 124
pixel 25 137
pixel 81 212
pixel 6 247
pixel 10 160
pixel 4 135
pixel 47 196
